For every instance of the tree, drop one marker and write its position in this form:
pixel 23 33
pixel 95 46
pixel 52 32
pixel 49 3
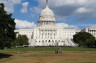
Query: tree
pixel 22 40
pixel 7 27
pixel 84 39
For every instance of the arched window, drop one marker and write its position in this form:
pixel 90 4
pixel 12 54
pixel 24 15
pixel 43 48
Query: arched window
pixel 42 40
pixel 49 40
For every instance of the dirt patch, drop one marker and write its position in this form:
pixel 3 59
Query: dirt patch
pixel 51 57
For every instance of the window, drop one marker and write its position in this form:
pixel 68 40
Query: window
pixel 42 41
pixel 49 40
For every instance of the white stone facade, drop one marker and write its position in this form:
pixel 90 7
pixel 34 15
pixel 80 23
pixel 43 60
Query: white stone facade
pixel 47 33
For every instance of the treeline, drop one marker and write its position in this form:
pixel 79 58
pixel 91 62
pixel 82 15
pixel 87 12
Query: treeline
pixel 7 26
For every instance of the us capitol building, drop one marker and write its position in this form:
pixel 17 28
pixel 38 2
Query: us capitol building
pixel 47 33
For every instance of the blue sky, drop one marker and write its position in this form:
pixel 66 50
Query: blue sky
pixel 27 15
pixel 69 13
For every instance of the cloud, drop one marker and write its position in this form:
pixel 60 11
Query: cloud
pixel 83 8
pixel 94 26
pixel 36 9
pixel 64 25
pixel 16 1
pixel 73 27
pixel 24 8
pixel 22 24
pixel 9 4
pixel 25 24
pixel 88 25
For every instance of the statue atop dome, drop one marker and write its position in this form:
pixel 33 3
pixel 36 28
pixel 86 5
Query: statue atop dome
pixel 46 3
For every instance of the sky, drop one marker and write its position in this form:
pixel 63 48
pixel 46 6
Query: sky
pixel 76 14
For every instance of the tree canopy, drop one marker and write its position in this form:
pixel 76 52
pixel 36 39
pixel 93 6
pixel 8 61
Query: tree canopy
pixel 7 27
pixel 84 39
pixel 21 40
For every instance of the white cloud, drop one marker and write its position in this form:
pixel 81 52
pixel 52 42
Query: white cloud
pixel 94 26
pixel 24 24
pixel 64 25
pixel 82 10
pixel 35 9
pixel 9 4
pixel 71 7
pixel 24 8
pixel 16 1
pixel 87 25
pixel 72 26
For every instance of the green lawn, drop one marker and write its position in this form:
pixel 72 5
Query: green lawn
pixel 47 55
pixel 49 49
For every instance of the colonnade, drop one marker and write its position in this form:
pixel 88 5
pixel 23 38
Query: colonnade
pixel 47 34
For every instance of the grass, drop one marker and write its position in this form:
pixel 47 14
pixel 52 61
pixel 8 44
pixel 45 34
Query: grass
pixel 47 55
pixel 49 49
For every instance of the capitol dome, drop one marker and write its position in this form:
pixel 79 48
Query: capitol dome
pixel 47 14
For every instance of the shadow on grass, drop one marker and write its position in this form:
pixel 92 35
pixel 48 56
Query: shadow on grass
pixel 2 55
